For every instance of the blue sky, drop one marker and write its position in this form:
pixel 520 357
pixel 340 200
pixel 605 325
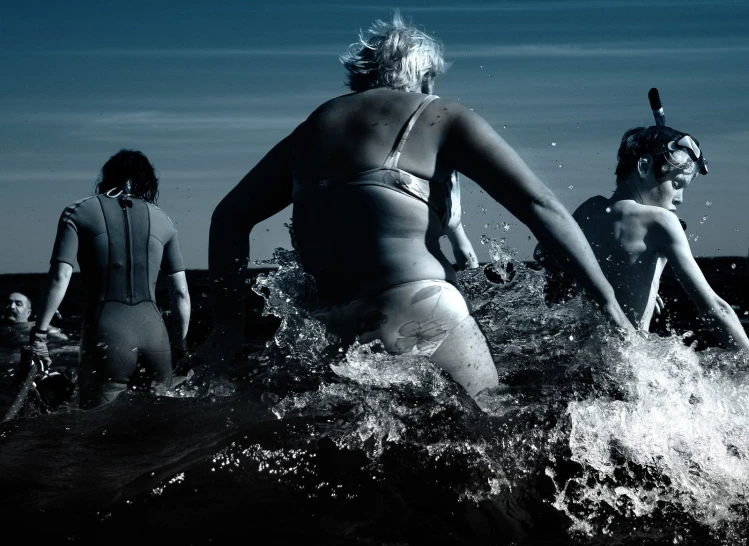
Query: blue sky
pixel 205 90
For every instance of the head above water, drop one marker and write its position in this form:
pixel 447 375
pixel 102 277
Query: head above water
pixel 655 165
pixel 133 167
pixel 17 308
pixel 666 147
pixel 394 55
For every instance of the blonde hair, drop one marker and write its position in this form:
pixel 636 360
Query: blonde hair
pixel 393 55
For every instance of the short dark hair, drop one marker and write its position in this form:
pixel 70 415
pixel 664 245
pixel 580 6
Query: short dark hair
pixel 651 141
pixel 129 165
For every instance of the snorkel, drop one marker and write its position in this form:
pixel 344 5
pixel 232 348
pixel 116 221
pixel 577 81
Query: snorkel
pixel 686 143
pixel 657 107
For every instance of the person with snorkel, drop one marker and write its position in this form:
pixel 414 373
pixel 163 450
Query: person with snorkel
pixel 635 232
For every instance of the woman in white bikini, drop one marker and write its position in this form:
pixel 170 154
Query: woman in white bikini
pixel 371 178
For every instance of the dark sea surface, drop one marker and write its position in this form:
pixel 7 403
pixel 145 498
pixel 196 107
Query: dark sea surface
pixel 591 438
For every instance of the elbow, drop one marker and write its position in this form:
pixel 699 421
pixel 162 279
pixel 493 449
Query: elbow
pixel 228 219
pixel 61 273
pixel 180 297
pixel 715 307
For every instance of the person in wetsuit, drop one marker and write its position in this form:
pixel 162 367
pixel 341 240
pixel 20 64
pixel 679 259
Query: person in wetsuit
pixel 121 240
pixel 369 176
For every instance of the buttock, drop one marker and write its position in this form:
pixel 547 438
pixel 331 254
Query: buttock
pixel 411 318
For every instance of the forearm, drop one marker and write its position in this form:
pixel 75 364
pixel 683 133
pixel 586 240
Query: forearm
pixel 59 279
pixel 228 254
pixel 180 308
pixel 724 323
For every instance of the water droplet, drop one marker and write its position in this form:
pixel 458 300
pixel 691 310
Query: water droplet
pixel 560 163
pixel 733 266
pixel 504 126
pixel 708 203
pixel 608 209
pixel 570 186
pixel 484 240
pixel 609 258
pixel 553 143
pixel 505 226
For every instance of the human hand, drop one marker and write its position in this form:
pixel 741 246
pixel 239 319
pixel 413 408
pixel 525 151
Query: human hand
pixel 38 344
pixel 180 360
pixel 659 305
pixel 618 317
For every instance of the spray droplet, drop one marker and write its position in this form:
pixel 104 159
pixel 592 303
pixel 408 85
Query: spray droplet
pixel 708 203
pixel 733 266
pixel 553 143
pixel 608 209
pixel 504 126
pixel 505 226
pixel 570 186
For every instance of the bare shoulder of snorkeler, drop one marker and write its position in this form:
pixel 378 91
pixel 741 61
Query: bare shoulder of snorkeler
pixel 263 192
pixel 472 147
pixel 721 318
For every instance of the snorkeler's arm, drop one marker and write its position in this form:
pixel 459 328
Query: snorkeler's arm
pixel 712 308
pixel 473 148
pixel 263 192
pixel 59 279
pixel 465 255
pixel 179 303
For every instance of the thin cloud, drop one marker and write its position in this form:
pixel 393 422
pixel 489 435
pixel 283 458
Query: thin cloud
pixel 318 51
pixel 158 120
pixel 520 6
pixel 575 51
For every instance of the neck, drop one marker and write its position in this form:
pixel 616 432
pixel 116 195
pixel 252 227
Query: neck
pixel 627 191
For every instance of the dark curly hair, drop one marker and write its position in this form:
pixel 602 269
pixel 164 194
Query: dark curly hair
pixel 651 141
pixel 129 165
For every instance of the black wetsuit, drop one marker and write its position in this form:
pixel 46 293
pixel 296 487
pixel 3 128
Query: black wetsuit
pixel 120 245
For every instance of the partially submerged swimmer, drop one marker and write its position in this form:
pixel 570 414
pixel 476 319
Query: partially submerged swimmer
pixel 121 240
pixel 635 232
pixel 14 334
pixel 369 175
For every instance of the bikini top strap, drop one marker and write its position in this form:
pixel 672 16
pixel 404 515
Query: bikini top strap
pixel 392 159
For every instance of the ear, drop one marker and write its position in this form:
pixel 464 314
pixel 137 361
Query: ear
pixel 644 165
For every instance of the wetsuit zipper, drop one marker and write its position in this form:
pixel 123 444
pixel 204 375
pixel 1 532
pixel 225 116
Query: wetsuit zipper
pixel 128 260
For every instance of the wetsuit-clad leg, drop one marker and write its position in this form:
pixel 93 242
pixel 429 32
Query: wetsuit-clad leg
pixel 112 346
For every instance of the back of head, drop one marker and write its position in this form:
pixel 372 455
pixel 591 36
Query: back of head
pixel 393 55
pixel 133 167
pixel 652 141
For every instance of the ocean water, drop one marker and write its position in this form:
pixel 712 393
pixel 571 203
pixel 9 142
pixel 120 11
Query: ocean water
pixel 591 438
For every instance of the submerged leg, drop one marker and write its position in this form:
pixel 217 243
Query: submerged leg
pixel 465 355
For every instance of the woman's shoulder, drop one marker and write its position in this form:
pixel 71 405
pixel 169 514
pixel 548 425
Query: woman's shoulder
pixel 77 206
pixel 159 214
